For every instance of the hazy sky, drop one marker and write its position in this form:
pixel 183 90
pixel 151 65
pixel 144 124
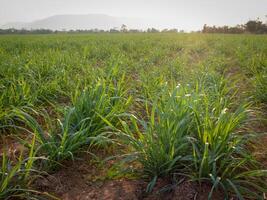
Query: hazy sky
pixel 185 14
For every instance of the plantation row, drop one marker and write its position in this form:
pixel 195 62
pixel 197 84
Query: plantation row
pixel 176 106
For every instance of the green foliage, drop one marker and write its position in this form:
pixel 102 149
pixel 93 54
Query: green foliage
pixel 187 95
pixel 260 83
pixel 105 97
pixel 56 146
pixel 220 154
pixel 15 175
pixel 161 144
pixel 252 26
pixel 82 124
pixel 196 134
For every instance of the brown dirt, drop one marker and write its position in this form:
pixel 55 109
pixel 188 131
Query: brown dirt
pixel 81 180
pixel 10 146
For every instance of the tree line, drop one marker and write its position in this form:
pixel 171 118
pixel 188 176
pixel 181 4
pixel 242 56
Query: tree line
pixel 252 26
pixel 112 30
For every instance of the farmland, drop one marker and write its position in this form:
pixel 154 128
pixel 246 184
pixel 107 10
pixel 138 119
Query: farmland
pixel 155 113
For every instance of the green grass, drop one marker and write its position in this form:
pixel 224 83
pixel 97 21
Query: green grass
pixel 220 155
pixel 177 103
pixel 160 145
pixel 197 134
pixel 16 174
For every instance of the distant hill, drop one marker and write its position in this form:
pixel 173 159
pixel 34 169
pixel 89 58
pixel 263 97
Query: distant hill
pixel 90 21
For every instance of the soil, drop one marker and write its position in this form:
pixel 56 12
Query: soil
pixel 80 180
pixel 11 146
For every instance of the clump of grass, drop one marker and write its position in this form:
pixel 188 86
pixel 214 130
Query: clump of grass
pixel 220 155
pixel 13 93
pixel 220 152
pixel 97 101
pixel 84 123
pixel 56 143
pixel 197 135
pixel 260 83
pixel 106 96
pixel 161 143
pixel 16 174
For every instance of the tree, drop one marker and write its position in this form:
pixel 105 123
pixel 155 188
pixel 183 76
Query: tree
pixel 124 28
pixel 256 26
pixel 152 30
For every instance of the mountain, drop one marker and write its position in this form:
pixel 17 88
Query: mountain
pixel 89 21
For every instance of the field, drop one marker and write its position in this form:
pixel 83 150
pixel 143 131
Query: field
pixel 133 116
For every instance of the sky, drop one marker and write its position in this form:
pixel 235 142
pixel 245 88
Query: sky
pixel 181 14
